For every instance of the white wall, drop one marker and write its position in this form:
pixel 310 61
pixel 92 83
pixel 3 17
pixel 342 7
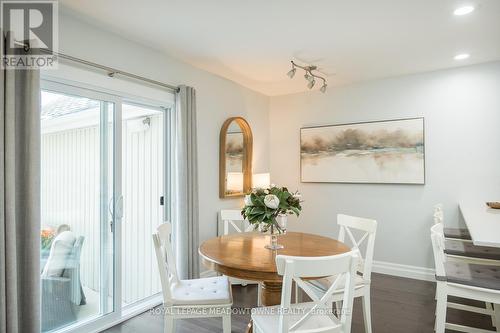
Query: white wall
pixel 217 99
pixel 461 109
pixel 462 117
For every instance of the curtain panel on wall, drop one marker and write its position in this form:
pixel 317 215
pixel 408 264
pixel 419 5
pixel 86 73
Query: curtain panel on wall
pixel 19 201
pixel 186 211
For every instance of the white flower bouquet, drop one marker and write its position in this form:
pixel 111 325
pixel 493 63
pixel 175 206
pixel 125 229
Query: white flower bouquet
pixel 263 206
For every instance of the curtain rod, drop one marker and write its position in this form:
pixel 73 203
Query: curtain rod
pixel 112 71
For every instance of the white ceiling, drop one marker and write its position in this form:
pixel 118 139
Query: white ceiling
pixel 252 42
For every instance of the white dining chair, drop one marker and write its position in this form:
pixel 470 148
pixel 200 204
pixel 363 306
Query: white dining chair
pixel 316 316
pixel 365 230
pixel 459 278
pixel 195 298
pixel 231 221
pixel 450 233
pixel 458 244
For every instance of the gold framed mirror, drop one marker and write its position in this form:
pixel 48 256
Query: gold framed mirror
pixel 235 158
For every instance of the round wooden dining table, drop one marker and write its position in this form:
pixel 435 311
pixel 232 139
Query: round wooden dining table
pixel 244 256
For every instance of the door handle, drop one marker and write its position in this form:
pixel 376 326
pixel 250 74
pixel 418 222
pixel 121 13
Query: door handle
pixel 118 211
pixel 119 207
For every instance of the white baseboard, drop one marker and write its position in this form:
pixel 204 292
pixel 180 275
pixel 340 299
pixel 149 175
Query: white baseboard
pixel 407 271
pixel 383 267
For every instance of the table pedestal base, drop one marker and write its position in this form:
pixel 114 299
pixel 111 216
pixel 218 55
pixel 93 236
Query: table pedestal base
pixel 270 295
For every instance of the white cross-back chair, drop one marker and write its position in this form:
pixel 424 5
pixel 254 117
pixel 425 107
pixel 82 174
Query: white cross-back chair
pixel 459 278
pixel 231 221
pixel 458 244
pixel 461 234
pixel 196 298
pixel 365 230
pixel 316 316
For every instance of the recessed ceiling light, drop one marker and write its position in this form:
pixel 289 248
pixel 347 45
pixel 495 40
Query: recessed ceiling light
pixel 463 10
pixel 462 56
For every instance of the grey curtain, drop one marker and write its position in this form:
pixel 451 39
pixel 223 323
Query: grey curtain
pixel 19 201
pixel 186 212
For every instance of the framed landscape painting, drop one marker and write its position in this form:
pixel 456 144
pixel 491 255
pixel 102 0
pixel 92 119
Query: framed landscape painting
pixel 384 152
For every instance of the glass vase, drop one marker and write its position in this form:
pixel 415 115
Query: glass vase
pixel 281 222
pixel 278 227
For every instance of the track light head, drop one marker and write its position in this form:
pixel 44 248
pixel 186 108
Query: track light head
pixel 291 73
pixel 309 75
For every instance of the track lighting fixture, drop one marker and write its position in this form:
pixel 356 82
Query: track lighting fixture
pixel 291 73
pixel 309 76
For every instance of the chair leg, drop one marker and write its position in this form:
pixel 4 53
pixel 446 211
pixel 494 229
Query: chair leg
pixel 259 291
pixel 169 326
pixel 226 323
pixel 441 305
pixel 367 310
pixel 489 306
pixel 297 298
pixel 496 309
pixel 338 309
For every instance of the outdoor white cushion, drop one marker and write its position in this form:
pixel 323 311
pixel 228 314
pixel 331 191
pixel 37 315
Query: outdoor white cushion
pixel 59 252
pixel 267 318
pixel 206 291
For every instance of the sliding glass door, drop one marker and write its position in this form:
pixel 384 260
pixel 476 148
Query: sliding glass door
pixel 103 187
pixel 143 183
pixel 79 206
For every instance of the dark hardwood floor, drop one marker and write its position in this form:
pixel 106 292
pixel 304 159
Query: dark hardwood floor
pixel 398 305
